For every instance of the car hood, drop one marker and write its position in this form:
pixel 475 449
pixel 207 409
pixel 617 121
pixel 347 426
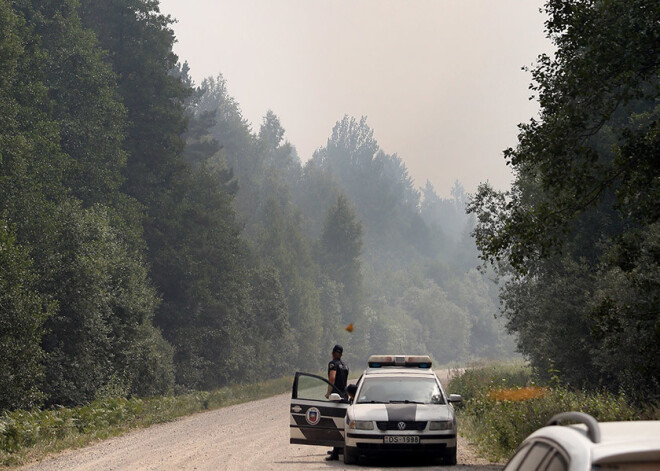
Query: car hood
pixel 405 412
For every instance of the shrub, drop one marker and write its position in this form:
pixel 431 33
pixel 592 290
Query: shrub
pixel 502 406
pixel 477 380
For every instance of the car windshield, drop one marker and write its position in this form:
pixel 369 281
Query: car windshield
pixel 400 390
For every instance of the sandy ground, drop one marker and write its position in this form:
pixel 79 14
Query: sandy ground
pixel 248 436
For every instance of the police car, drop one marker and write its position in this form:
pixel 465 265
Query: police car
pixel 399 407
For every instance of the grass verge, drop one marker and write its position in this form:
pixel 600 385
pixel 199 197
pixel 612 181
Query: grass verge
pixel 503 405
pixel 30 435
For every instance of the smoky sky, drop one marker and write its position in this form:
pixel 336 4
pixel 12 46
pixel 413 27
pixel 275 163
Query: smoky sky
pixel 440 81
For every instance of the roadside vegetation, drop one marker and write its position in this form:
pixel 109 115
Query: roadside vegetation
pixel 504 402
pixel 576 239
pixel 30 435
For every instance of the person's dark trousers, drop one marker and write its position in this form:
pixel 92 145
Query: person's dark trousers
pixel 334 454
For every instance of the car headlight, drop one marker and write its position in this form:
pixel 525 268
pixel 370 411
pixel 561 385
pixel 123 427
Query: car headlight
pixel 441 425
pixel 361 424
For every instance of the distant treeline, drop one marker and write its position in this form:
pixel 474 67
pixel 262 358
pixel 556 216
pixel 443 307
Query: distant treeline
pixel 578 236
pixel 151 242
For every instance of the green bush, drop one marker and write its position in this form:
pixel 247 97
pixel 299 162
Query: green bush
pixel 477 380
pixel 497 427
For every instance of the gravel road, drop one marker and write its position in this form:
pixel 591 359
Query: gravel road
pixel 248 436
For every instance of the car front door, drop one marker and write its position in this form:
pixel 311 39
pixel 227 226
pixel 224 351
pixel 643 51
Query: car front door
pixel 316 420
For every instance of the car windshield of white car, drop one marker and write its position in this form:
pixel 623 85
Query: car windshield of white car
pixel 400 390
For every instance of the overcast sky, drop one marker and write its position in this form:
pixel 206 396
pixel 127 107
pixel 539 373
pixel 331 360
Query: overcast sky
pixel 439 80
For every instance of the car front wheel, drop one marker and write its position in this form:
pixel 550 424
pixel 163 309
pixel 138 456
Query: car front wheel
pixel 449 457
pixel 350 455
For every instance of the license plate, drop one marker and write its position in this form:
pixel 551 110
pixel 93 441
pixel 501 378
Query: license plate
pixel 406 439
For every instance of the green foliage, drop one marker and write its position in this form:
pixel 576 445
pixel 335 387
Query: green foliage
pixel 576 235
pixel 22 316
pixel 433 324
pixel 546 312
pixel 139 42
pixel 476 380
pixel 23 309
pixel 283 244
pixel 341 248
pixel 589 140
pixel 83 99
pixel 231 131
pixel 275 341
pixel 263 166
pixel 499 426
pixel 379 187
pixel 204 284
pixel 196 256
pixel 60 175
pixel 624 316
pixel 105 308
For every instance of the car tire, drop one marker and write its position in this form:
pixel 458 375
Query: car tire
pixel 449 457
pixel 350 455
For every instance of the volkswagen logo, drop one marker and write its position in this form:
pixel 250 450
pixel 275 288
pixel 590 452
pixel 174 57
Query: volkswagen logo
pixel 401 425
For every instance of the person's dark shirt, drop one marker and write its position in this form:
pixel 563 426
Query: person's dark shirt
pixel 341 373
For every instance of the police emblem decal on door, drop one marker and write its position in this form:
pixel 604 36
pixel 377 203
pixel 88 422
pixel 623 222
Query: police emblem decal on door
pixel 313 416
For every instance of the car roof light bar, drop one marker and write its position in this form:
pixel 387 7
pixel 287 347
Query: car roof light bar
pixel 413 361
pixel 593 429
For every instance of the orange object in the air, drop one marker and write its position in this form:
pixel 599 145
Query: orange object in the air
pixel 349 327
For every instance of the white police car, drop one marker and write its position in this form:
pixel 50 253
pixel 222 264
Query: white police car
pixel 589 446
pixel 399 407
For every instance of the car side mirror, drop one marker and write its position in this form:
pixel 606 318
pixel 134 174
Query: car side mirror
pixel 334 397
pixel 455 398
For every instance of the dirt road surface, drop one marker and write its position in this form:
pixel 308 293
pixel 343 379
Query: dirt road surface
pixel 250 436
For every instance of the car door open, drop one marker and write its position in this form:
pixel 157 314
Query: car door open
pixel 316 420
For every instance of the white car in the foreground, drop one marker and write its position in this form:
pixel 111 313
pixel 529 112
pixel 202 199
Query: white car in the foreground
pixel 399 407
pixel 589 446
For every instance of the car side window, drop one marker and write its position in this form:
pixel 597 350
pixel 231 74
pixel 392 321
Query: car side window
pixel 513 463
pixel 537 456
pixel 312 388
pixel 533 458
pixel 557 463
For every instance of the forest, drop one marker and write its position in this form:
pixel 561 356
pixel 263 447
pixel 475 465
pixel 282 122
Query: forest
pixel 152 242
pixel 576 240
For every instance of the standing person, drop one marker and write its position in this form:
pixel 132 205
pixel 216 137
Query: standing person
pixel 337 375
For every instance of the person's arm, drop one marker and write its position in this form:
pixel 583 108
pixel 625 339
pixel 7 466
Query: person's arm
pixel 332 374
